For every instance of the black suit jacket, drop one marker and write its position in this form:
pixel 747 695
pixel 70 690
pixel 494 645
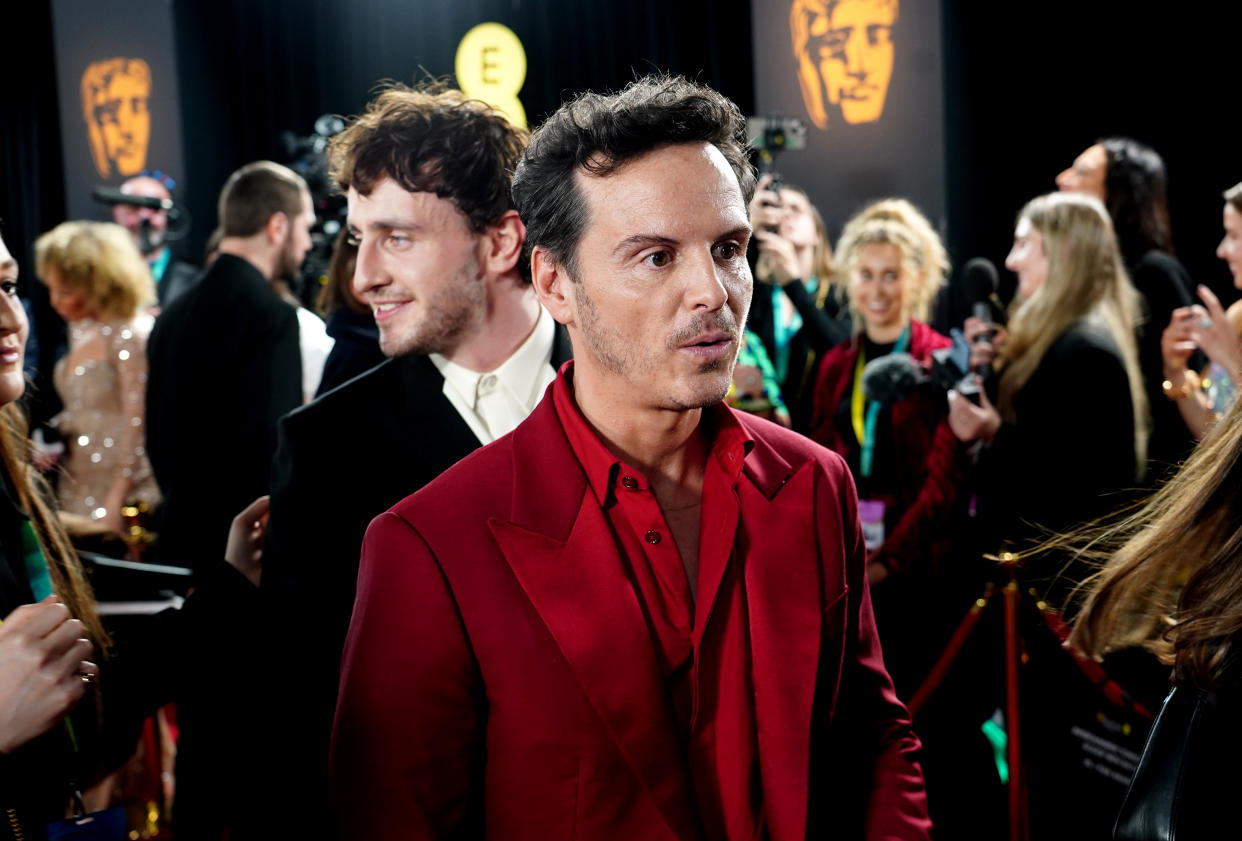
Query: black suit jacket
pixel 178 279
pixel 156 659
pixel 1069 457
pixel 224 366
pixel 343 459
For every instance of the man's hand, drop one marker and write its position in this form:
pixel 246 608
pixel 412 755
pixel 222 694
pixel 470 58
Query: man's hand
pixel 970 422
pixel 43 660
pixel 245 547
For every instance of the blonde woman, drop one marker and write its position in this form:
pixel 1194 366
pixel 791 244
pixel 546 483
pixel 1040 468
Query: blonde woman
pixel 933 258
pixel 1069 430
pixel 906 462
pixel 99 284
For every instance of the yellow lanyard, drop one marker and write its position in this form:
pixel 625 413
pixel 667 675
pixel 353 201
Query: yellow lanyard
pixel 865 415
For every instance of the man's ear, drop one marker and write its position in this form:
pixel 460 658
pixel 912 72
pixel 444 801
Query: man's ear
pixel 502 244
pixel 553 285
pixel 277 228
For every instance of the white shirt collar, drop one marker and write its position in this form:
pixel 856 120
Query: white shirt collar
pixel 524 376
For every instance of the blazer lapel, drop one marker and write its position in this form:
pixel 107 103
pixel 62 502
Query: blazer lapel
pixel 426 408
pixel 783 586
pixel 565 558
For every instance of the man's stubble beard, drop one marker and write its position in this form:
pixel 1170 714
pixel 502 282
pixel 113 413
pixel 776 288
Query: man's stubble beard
pixel 618 357
pixel 290 264
pixel 453 311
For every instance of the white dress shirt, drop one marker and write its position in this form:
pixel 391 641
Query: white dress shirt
pixel 494 402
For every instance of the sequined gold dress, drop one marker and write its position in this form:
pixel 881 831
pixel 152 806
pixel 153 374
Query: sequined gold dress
pixel 102 383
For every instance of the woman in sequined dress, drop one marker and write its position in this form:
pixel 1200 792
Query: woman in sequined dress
pixel 99 284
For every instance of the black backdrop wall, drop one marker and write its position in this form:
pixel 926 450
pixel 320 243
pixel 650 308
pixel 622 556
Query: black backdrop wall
pixel 1031 86
pixel 1026 89
pixel 252 70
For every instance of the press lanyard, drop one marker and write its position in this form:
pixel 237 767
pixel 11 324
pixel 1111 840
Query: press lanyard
pixel 860 406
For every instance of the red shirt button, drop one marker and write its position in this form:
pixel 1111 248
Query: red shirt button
pixel 653 537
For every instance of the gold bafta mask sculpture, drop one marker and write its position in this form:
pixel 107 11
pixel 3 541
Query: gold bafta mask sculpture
pixel 115 93
pixel 844 53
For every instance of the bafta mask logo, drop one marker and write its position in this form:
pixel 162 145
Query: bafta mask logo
pixel 844 52
pixel 114 102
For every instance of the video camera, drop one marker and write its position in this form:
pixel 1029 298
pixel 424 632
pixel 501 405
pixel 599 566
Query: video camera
pixel 307 156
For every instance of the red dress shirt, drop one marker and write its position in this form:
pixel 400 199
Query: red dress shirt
pixel 707 666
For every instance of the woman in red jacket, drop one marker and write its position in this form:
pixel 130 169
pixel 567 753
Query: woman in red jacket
pixel 905 460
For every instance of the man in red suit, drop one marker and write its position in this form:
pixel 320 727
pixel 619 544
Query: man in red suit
pixel 640 615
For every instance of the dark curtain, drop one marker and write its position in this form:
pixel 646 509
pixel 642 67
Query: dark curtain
pixel 1024 99
pixel 252 70
pixel 33 197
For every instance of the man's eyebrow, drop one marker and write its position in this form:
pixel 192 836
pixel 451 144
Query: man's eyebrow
pixel 631 243
pixel 739 231
pixel 391 223
pixel 9 263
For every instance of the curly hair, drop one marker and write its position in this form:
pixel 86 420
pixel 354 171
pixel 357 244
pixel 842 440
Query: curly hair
pixel 875 225
pixel 432 138
pixel 100 261
pixel 597 134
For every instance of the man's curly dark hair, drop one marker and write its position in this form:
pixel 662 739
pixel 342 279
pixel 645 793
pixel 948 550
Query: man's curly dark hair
pixel 432 138
pixel 598 134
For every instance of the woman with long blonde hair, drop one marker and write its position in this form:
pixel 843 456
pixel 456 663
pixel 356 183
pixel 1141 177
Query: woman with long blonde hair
pixel 1067 437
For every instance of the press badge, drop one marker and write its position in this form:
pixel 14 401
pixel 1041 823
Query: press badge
pixel 108 825
pixel 871 516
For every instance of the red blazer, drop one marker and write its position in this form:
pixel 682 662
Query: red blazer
pixel 499 680
pixel 931 462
